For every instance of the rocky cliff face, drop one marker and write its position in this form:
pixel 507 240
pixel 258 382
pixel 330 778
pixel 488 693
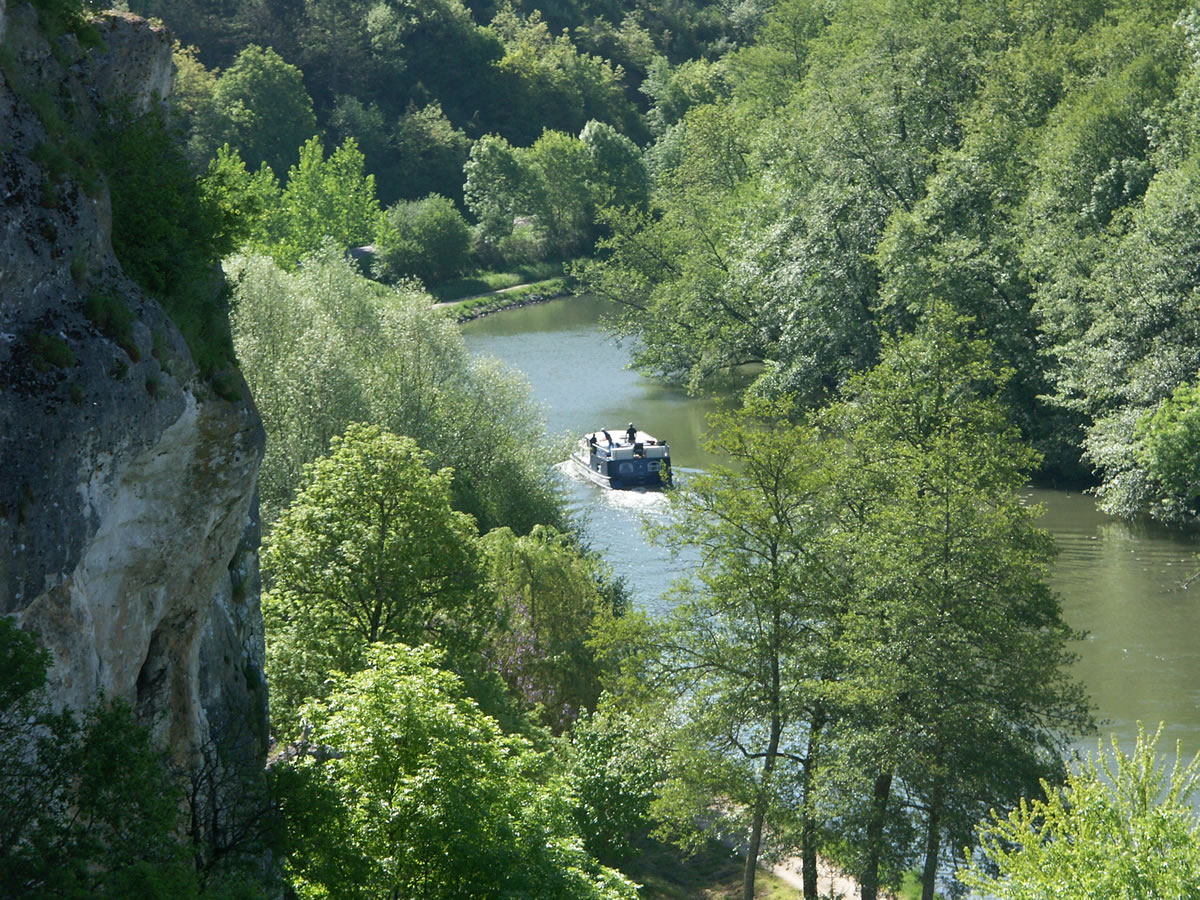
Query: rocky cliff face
pixel 128 533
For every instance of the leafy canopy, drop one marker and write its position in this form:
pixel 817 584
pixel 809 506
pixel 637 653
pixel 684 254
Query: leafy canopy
pixel 423 795
pixel 1123 826
pixel 370 551
pixel 322 347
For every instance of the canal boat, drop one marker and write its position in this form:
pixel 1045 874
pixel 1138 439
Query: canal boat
pixel 622 459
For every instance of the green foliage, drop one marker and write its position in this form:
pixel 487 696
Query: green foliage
pixel 426 239
pixel 430 154
pixel 246 201
pixel 736 665
pixel 1168 446
pixel 114 318
pixel 171 256
pixel 369 551
pixel 557 190
pixel 424 796
pixel 870 656
pixel 673 90
pixel 555 186
pixel 615 170
pixel 548 84
pixel 324 347
pixel 956 647
pixel 614 775
pixel 549 595
pixel 258 106
pixel 418 153
pixel 57 17
pixel 325 198
pixel 49 351
pixel 1123 826
pixel 86 808
pixel 495 185
pixel 671 269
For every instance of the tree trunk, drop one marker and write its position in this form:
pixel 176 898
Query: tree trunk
pixel 933 839
pixel 760 811
pixel 879 801
pixel 752 855
pixel 808 828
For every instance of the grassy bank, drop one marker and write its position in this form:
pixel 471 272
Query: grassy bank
pixel 489 282
pixel 508 298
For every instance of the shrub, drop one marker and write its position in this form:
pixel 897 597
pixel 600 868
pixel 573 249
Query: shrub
pixel 427 239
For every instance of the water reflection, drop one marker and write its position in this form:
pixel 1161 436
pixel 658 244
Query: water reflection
pixel 1127 584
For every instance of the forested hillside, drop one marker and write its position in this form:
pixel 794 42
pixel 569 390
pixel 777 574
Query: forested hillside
pixel 780 184
pixel 1031 164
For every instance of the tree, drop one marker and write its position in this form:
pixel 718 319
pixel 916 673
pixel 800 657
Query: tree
pixel 370 551
pixel 87 808
pixel 427 239
pixel 956 649
pixel 673 90
pixel 424 796
pixel 324 198
pixel 496 185
pixel 737 667
pixel 559 192
pixel 617 173
pixel 614 775
pixel 246 200
pixel 1122 827
pixel 259 106
pixel 322 347
pixel 549 85
pixel 676 271
pixel 1168 445
pixel 430 153
pixel 171 257
pixel 550 595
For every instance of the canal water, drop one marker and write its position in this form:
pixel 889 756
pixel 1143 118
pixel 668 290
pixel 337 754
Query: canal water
pixel 1125 584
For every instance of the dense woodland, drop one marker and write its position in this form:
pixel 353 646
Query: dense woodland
pixel 954 243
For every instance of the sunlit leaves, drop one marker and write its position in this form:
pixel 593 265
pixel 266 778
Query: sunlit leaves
pixel 322 347
pixel 426 796
pixel 1123 826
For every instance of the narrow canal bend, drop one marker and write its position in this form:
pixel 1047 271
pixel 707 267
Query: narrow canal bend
pixel 1123 583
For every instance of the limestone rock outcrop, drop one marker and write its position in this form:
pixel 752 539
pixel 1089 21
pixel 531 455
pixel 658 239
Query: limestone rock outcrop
pixel 128 524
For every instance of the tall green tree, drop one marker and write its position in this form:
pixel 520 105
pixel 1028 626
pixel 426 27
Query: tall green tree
pixel 675 269
pixel 956 649
pixel 325 198
pixel 550 597
pixel 737 666
pixel 370 551
pixel 424 796
pixel 260 107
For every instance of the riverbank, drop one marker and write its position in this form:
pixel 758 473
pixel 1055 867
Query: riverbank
pixel 514 297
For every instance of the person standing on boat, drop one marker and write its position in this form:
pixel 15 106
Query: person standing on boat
pixel 631 433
